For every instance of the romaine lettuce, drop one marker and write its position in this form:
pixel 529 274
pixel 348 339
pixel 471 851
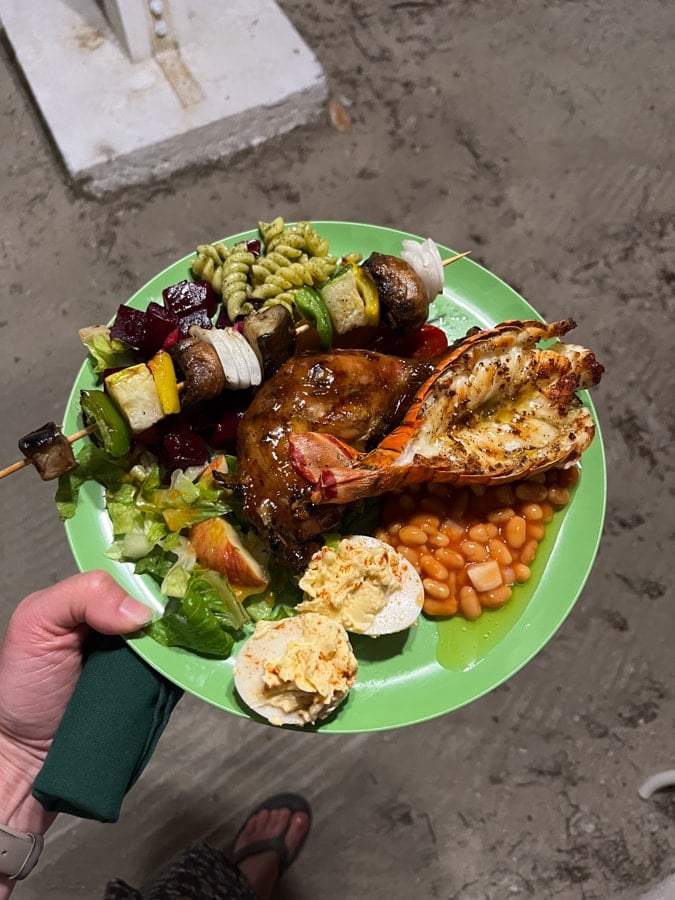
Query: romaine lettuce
pixel 205 621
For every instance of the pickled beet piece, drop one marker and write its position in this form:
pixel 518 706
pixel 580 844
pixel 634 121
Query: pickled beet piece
pixel 187 296
pixel 196 317
pixel 181 447
pixel 148 438
pixel 159 323
pixel 224 435
pixel 129 326
pixel 253 247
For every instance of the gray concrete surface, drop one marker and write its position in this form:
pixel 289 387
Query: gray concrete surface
pixel 171 109
pixel 540 135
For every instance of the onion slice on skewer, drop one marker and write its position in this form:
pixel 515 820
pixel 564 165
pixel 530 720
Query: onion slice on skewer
pixel 425 259
pixel 237 357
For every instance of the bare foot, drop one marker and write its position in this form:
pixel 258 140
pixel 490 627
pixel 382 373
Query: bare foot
pixel 261 870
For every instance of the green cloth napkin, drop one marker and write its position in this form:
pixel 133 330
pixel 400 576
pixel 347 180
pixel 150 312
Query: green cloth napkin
pixel 108 733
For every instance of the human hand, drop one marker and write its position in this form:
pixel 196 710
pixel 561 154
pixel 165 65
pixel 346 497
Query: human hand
pixel 40 662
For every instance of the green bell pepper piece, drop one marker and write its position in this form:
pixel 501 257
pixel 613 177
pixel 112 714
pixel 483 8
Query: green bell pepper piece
pixel 312 307
pixel 113 431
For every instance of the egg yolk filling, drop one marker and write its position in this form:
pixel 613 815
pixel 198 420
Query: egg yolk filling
pixel 351 584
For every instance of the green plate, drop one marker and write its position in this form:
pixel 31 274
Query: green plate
pixel 433 668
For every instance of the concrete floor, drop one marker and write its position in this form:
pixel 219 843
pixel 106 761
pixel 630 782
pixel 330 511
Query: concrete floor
pixel 541 139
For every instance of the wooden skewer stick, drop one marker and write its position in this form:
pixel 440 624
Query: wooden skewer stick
pixel 305 326
pixel 452 259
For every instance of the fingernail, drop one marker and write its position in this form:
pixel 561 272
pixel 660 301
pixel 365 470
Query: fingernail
pixel 137 613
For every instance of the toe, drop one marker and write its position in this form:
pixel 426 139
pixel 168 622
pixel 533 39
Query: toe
pixel 297 832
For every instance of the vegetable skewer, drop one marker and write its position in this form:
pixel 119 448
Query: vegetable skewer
pixel 92 428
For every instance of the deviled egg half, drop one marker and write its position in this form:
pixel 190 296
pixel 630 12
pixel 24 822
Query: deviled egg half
pixel 363 584
pixel 297 670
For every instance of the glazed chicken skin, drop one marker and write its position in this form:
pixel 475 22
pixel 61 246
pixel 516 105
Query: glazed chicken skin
pixel 354 395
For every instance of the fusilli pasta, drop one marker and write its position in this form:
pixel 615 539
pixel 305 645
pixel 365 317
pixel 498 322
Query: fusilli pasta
pixel 235 274
pixel 208 264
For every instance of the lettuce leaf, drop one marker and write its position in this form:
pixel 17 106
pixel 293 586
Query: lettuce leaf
pixel 93 464
pixel 157 564
pixel 205 621
pixel 106 352
pixel 262 606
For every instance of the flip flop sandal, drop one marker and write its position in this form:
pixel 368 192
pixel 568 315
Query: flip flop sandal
pixel 277 844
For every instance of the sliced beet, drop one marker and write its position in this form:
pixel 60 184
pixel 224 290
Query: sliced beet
pixel 187 296
pixel 129 326
pixel 181 447
pixel 223 434
pixel 159 323
pixel 197 316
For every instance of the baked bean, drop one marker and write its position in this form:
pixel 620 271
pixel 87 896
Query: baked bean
pixel 381 534
pixel 412 536
pixel 558 496
pixel 472 551
pixel 433 568
pixel 447 607
pixel 546 511
pixel 566 477
pixel 500 552
pixel 508 575
pixel 469 603
pixel 478 533
pixel 536 530
pixel 529 551
pixel 407 502
pixel 531 491
pixel 515 532
pixel 531 511
pixel 410 554
pixel 522 572
pixel 453 530
pixel 436 589
pixel 438 539
pixel 425 521
pixel 450 558
pixel 495 598
pixel 505 494
pixel 394 528
pixel 501 515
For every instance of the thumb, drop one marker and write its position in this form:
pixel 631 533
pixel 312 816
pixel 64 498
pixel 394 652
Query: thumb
pixel 92 598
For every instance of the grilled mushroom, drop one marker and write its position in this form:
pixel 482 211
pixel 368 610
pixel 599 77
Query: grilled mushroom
pixel 201 368
pixel 404 304
pixel 49 451
pixel 271 333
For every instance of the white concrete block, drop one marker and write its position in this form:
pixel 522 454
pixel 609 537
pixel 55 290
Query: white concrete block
pixel 240 76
